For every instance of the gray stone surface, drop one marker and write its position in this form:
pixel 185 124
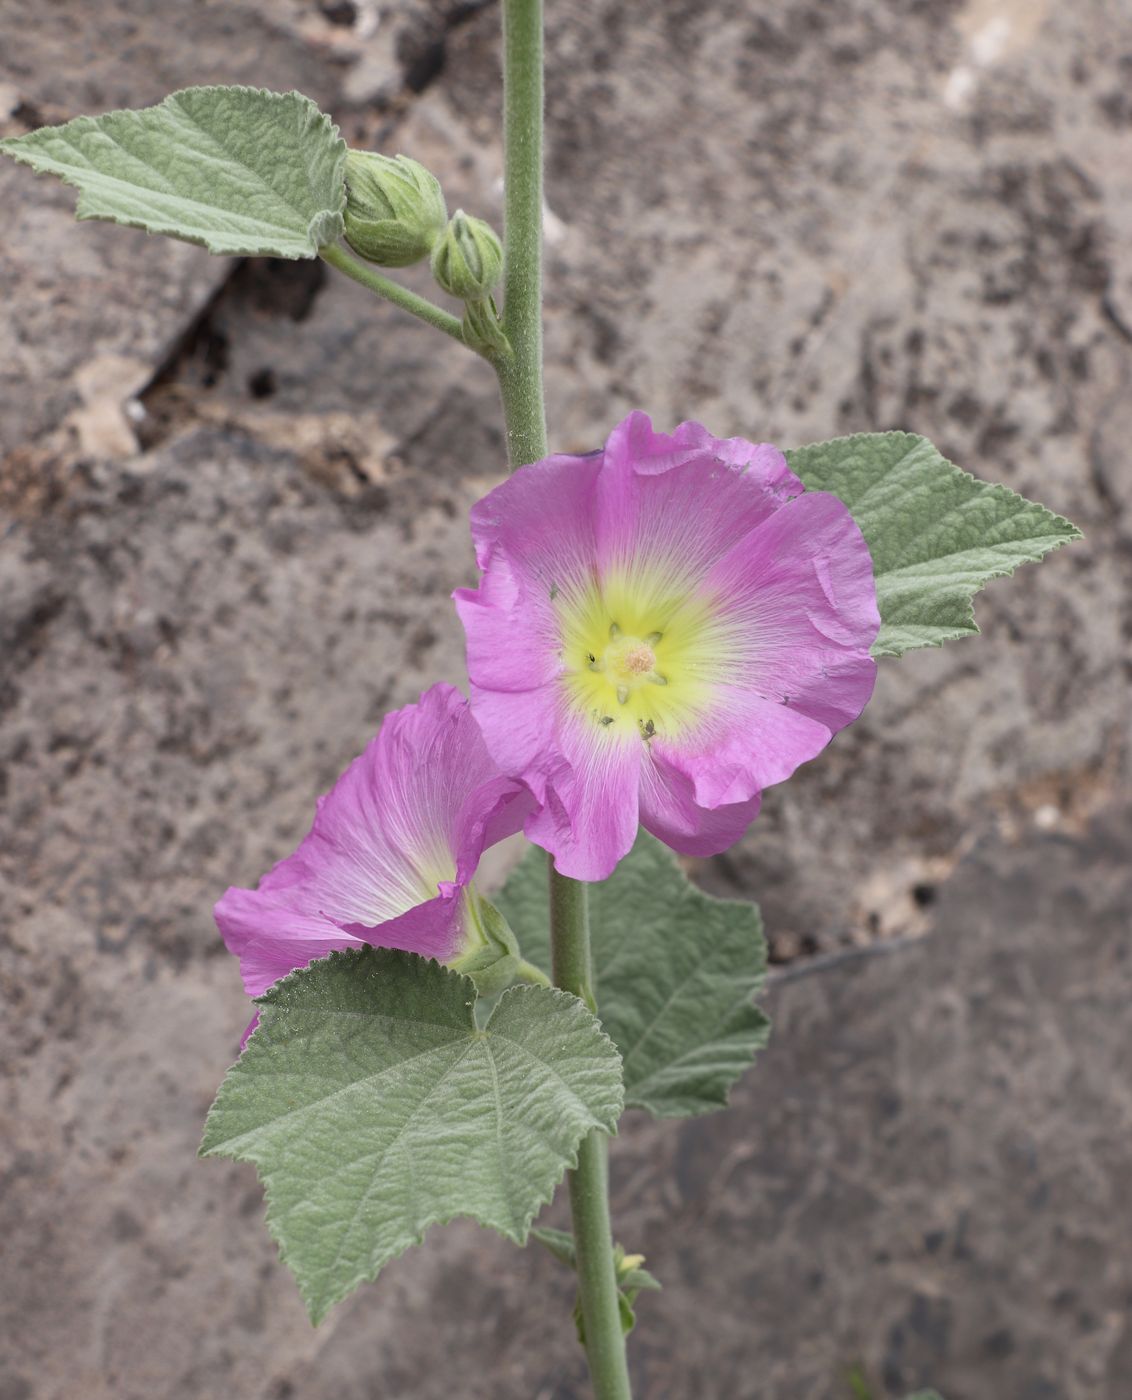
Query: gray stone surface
pixel 790 220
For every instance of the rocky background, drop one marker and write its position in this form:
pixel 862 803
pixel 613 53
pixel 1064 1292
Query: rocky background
pixel 232 506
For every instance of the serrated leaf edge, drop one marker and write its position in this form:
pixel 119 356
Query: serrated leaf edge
pixel 709 1102
pixel 723 1099
pixel 318 1309
pixel 1067 535
pixel 11 146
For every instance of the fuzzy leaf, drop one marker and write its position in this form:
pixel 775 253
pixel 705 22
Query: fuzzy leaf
pixel 675 972
pixel 373 1108
pixel 936 533
pixel 237 169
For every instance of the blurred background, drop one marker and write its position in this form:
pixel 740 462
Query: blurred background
pixel 233 503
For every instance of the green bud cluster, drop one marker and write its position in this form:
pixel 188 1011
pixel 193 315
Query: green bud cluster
pixel 396 216
pixel 395 209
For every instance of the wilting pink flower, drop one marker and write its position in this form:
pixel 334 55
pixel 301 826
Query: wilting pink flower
pixel 662 629
pixel 390 855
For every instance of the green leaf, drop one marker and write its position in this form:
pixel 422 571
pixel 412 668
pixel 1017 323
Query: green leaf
pixel 237 169
pixel 936 534
pixel 373 1108
pixel 675 972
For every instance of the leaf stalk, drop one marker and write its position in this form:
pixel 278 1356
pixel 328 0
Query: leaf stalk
pixel 418 306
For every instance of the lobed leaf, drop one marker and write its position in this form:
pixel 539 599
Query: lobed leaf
pixel 373 1108
pixel 936 533
pixel 237 169
pixel 675 972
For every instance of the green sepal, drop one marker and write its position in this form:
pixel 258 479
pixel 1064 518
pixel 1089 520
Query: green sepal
pixel 238 170
pixel 636 1281
pixel 492 959
pixel 936 533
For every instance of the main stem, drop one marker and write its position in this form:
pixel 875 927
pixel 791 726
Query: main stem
pixel 524 412
pixel 589 1182
pixel 520 369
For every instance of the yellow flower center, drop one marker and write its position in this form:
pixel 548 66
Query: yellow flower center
pixel 640 656
pixel 629 658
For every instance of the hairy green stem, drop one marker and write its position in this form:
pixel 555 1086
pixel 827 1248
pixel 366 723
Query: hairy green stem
pixel 570 937
pixel 589 1182
pixel 520 371
pixel 418 306
pixel 597 1282
pixel 524 412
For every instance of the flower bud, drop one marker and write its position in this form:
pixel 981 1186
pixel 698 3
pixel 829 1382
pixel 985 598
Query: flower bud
pixel 482 328
pixel 395 210
pixel 467 260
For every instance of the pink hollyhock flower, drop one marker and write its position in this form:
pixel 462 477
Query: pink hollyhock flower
pixel 663 629
pixel 391 853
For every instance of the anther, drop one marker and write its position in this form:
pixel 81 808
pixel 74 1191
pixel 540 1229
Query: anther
pixel 614 630
pixel 655 678
pixel 622 694
pixel 653 638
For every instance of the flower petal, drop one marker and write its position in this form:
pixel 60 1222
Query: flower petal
pixel 749 743
pixel 589 809
pixel 271 938
pixel 583 781
pixel 491 812
pixel 670 811
pixel 435 929
pixel 391 849
pixel 534 538
pixel 798 595
pixel 677 503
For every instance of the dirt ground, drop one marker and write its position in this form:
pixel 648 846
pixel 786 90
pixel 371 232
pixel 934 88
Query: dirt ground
pixel 233 503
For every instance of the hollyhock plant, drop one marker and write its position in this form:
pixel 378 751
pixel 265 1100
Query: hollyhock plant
pixel 663 629
pixel 391 855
